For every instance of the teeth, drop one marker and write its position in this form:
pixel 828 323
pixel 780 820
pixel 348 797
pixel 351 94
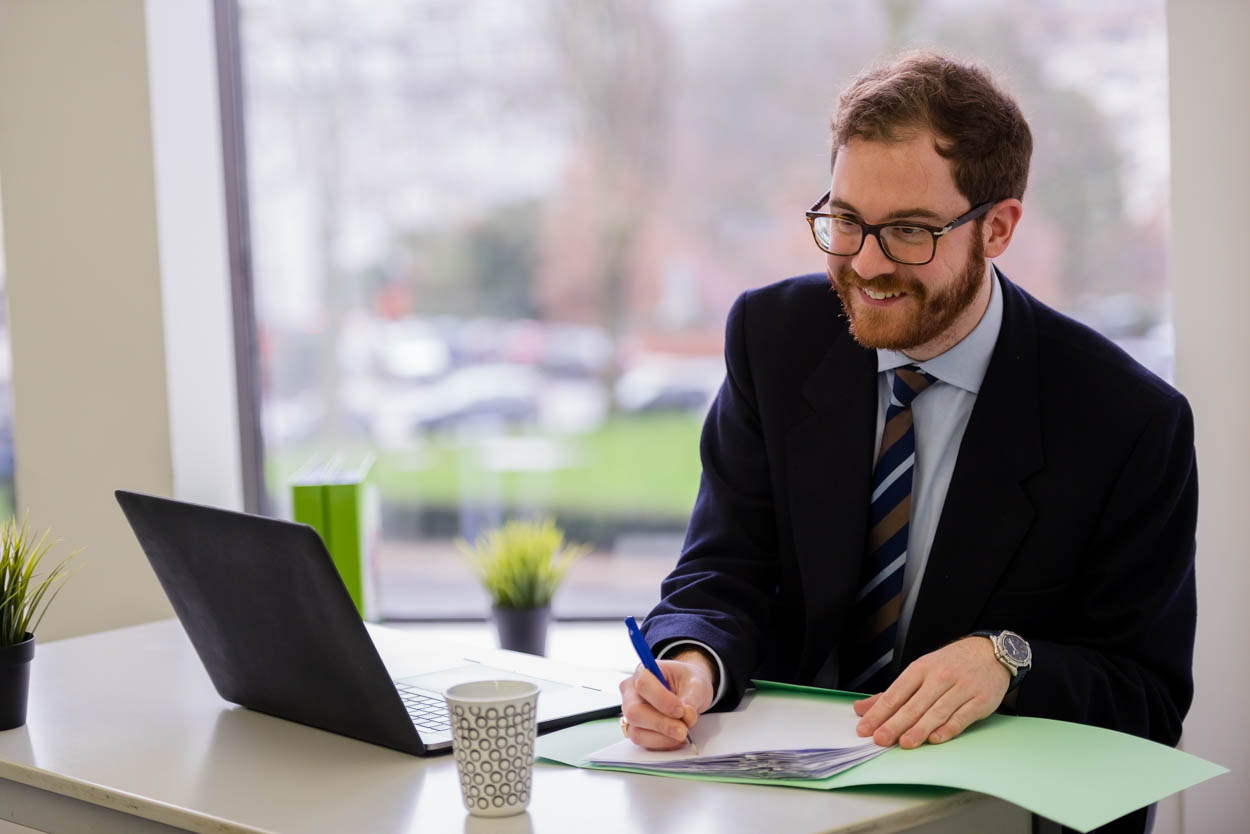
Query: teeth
pixel 879 296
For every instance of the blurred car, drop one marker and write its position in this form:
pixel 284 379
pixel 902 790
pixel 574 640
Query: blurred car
pixel 480 340
pixel 493 393
pixel 577 350
pixel 670 384
pixel 411 349
pixel 499 391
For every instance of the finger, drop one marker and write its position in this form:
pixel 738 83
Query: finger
pixel 630 686
pixel 650 689
pixel 964 717
pixel 863 705
pixel 646 718
pixel 889 702
pixel 651 740
pixel 934 717
pixel 629 693
pixel 906 716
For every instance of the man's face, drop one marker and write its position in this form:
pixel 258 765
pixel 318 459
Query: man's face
pixel 920 309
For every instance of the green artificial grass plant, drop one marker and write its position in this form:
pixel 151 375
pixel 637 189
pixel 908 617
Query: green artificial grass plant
pixel 522 563
pixel 23 593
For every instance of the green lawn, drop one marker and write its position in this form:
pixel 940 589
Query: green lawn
pixel 631 464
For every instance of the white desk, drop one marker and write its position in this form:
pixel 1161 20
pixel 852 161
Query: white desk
pixel 125 733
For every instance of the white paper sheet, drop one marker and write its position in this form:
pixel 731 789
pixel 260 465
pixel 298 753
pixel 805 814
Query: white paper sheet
pixel 766 737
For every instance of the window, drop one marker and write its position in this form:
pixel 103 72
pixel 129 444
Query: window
pixel 495 243
pixel 8 499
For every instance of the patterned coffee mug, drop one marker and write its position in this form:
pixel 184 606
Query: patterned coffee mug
pixel 493 724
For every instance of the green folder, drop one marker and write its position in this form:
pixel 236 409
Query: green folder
pixel 335 496
pixel 1074 774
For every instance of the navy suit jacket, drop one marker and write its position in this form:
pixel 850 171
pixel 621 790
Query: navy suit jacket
pixel 1070 515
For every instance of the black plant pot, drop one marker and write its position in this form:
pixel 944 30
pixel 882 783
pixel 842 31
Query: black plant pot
pixel 15 681
pixel 522 629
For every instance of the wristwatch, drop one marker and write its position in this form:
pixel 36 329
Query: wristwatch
pixel 1012 651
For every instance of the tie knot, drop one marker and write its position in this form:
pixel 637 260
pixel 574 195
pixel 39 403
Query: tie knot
pixel 909 381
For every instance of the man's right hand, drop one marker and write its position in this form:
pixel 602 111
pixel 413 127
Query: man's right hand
pixel 658 719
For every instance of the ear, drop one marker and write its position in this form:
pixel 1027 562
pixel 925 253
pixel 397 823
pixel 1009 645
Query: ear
pixel 1000 224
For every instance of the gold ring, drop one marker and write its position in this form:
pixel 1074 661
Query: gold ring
pixel 624 726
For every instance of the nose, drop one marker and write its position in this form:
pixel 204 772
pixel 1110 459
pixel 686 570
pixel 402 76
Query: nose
pixel 871 260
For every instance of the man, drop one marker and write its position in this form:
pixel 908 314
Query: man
pixel 926 485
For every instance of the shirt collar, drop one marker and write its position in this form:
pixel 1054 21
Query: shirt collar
pixel 963 365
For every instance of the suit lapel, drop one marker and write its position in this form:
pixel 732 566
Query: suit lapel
pixel 986 512
pixel 829 455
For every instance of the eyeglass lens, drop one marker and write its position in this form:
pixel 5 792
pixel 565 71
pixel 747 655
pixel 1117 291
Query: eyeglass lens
pixel 906 244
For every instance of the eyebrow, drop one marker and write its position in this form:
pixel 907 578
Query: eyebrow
pixel 894 215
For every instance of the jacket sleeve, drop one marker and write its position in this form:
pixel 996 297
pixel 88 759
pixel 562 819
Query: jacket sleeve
pixel 723 588
pixel 1125 662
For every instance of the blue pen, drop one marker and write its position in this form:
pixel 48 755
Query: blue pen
pixel 648 662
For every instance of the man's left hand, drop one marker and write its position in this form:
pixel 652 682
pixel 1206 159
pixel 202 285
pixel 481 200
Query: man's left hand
pixel 937 696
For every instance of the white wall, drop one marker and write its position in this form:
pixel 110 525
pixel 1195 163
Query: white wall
pixel 194 253
pixel 1210 103
pixel 116 287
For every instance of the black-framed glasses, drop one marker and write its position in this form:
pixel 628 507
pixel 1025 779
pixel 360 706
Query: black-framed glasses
pixel 913 244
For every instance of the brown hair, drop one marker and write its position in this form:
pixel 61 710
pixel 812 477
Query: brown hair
pixel 976 125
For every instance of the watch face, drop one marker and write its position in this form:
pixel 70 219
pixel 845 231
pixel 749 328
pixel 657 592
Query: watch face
pixel 1016 649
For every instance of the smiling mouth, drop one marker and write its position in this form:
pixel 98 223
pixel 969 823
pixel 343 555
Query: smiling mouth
pixel 881 296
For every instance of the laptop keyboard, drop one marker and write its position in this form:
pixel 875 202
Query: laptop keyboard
pixel 427 712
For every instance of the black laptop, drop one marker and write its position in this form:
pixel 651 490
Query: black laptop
pixel 278 633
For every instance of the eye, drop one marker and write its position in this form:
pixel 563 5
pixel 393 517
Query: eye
pixel 908 232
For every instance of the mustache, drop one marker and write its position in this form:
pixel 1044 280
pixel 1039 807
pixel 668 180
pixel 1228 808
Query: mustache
pixel 848 278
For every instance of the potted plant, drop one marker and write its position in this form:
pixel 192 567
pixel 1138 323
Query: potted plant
pixel 24 599
pixel 521 564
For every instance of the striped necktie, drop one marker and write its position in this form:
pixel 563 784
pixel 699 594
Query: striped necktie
pixel 872 627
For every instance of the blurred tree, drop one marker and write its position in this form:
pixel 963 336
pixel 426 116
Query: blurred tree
pixel 752 139
pixel 615 68
pixel 1074 176
pixel 485 268
pixel 685 139
pixel 344 142
pixel 323 86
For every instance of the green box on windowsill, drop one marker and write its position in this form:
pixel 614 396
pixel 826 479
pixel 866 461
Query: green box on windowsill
pixel 333 494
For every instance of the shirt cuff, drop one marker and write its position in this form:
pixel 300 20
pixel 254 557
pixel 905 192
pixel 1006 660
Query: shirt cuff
pixel 672 648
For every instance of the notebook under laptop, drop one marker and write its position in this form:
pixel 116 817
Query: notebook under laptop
pixel 277 632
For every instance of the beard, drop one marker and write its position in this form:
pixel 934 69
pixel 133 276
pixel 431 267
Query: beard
pixel 921 317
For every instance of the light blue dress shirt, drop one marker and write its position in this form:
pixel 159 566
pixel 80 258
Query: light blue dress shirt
pixel 940 415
